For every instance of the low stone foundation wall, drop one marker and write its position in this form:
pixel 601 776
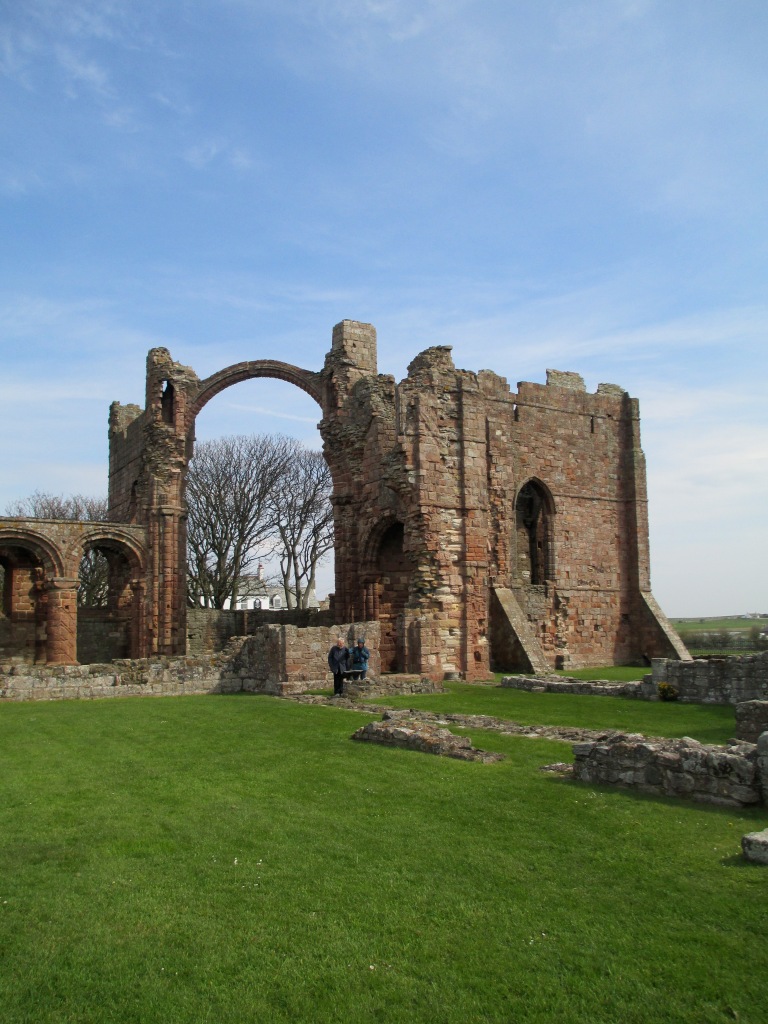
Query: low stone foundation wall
pixel 390 685
pixel 400 730
pixel 275 659
pixel 751 719
pixel 567 684
pixel 140 678
pixel 715 680
pixel 733 776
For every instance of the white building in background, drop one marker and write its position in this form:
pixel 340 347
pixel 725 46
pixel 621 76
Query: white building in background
pixel 254 592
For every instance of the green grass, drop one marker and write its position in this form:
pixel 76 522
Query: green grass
pixel 730 623
pixel 705 722
pixel 233 859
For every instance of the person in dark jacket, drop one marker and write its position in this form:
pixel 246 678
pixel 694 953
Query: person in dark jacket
pixel 360 656
pixel 338 663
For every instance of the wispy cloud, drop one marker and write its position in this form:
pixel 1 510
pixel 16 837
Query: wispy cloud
pixel 264 411
pixel 205 152
pixel 82 71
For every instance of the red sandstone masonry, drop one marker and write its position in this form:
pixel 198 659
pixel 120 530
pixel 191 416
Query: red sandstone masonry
pixel 427 475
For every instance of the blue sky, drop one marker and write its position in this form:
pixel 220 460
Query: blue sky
pixel 579 186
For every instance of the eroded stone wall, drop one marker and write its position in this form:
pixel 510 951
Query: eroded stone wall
pixel 751 720
pixel 210 629
pixel 101 636
pixel 273 659
pixel 448 487
pixel 731 776
pixel 716 680
pixel 583 687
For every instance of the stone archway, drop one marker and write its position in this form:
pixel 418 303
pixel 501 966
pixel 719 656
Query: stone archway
pixel 306 380
pixel 111 621
pixel 39 602
pixel 151 448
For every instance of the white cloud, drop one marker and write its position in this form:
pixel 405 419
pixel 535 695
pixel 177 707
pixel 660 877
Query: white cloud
pixel 205 152
pixel 80 70
pixel 264 411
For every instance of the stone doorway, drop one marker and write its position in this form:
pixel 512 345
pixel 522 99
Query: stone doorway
pixel 393 574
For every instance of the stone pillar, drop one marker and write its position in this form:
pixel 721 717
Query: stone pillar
pixel 61 621
pixel 138 639
pixel 169 598
pixel 41 617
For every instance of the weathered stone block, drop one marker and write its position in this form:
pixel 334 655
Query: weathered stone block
pixel 755 846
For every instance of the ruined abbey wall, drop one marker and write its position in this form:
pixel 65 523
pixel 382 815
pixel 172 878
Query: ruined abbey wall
pixel 479 526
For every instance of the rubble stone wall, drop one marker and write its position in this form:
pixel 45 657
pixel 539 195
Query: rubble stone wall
pixel 398 729
pixel 729 776
pixel 101 636
pixel 715 680
pixel 566 684
pixel 210 629
pixel 155 677
pixel 751 719
pixel 274 659
pixel 17 640
pixel 390 685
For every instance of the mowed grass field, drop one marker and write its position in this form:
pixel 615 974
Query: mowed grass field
pixel 732 623
pixel 238 859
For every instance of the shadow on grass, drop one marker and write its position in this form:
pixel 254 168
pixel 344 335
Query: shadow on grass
pixel 738 860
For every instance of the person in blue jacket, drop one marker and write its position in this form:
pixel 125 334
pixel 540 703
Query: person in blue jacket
pixel 360 656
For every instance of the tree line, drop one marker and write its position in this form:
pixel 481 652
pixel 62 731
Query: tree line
pixel 249 499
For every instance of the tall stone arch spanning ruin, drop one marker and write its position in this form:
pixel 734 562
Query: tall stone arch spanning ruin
pixel 428 475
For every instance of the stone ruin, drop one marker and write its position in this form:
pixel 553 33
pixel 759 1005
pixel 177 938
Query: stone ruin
pixel 480 527
pixel 402 729
pixel 735 775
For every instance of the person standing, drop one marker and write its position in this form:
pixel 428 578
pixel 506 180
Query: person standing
pixel 338 662
pixel 360 656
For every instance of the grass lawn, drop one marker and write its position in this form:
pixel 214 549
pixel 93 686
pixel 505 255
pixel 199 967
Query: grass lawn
pixel 237 859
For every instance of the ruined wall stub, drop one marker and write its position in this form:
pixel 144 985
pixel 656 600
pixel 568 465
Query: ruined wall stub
pixel 477 525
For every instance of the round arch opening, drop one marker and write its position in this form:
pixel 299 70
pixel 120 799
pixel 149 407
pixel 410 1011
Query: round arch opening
pixel 25 563
pixel 109 618
pixel 534 511
pixel 264 403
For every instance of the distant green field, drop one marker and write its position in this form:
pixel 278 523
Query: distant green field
pixel 722 637
pixel 732 624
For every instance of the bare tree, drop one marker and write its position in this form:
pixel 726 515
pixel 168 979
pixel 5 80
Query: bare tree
pixel 56 506
pixel 229 484
pixel 303 516
pixel 94 567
